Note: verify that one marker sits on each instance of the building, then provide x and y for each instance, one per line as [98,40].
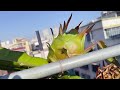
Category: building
[107,29]
[6,44]
[106,14]
[46,37]
[35,47]
[20,44]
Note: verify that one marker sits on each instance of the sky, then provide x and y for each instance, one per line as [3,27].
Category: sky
[15,24]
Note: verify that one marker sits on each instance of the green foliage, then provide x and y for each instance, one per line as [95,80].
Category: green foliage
[69,44]
[70,77]
[65,46]
[113,60]
[14,60]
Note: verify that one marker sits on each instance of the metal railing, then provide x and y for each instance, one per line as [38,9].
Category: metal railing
[67,64]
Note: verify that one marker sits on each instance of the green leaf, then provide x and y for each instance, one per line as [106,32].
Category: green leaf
[70,77]
[83,43]
[20,60]
[51,55]
[102,45]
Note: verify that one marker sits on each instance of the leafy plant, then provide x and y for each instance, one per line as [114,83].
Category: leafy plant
[113,60]
[68,44]
[14,60]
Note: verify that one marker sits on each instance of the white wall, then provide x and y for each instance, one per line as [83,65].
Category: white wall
[98,34]
[111,22]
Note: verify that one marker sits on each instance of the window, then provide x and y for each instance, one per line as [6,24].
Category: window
[118,58]
[95,68]
[85,76]
[77,73]
[37,46]
[85,67]
[113,32]
[115,36]
[88,37]
[118,13]
[88,76]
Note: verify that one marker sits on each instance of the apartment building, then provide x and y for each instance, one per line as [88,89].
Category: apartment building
[107,29]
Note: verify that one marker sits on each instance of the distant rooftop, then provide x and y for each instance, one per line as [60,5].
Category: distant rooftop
[104,16]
